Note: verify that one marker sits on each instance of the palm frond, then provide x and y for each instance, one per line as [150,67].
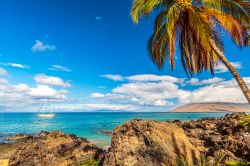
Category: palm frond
[172,25]
[247,37]
[158,42]
[142,8]
[197,33]
[192,25]
[239,9]
[235,27]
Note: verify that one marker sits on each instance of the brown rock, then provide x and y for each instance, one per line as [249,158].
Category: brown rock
[55,148]
[106,132]
[149,143]
[19,137]
[212,135]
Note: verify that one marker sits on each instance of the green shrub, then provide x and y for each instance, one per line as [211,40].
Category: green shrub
[204,160]
[218,160]
[237,163]
[246,122]
[91,163]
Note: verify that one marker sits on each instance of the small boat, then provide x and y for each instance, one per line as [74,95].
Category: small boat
[45,114]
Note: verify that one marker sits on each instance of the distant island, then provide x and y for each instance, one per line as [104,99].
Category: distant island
[213,107]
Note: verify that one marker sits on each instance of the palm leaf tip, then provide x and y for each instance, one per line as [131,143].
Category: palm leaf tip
[142,8]
[134,16]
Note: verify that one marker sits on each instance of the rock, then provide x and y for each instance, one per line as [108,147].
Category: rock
[55,148]
[106,132]
[4,162]
[211,135]
[226,130]
[7,150]
[19,136]
[137,142]
[149,143]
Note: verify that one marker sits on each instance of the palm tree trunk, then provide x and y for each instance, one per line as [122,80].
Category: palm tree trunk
[232,69]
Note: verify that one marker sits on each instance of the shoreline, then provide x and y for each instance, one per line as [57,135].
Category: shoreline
[14,137]
[99,141]
[89,125]
[200,136]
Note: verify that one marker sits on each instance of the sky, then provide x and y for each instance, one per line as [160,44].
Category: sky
[90,56]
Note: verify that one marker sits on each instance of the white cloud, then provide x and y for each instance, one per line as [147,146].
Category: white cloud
[113,77]
[15,65]
[21,87]
[136,93]
[221,68]
[144,90]
[114,107]
[3,81]
[95,107]
[142,78]
[163,92]
[51,80]
[226,91]
[44,91]
[151,77]
[3,72]
[41,47]
[60,68]
[149,93]
[23,97]
[97,95]
[197,82]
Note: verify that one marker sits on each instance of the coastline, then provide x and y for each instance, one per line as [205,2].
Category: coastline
[194,132]
[86,125]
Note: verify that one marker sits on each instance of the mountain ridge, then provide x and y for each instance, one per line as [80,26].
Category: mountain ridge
[213,107]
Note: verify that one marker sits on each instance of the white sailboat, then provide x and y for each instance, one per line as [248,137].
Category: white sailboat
[45,114]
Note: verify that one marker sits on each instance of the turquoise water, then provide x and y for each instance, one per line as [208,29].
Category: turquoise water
[83,124]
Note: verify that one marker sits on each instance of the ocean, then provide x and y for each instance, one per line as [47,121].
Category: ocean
[84,124]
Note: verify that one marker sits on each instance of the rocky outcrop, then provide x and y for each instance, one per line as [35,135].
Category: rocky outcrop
[141,142]
[19,137]
[212,135]
[149,143]
[135,143]
[53,149]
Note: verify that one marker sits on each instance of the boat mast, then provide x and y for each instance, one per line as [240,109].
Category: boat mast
[51,108]
[44,105]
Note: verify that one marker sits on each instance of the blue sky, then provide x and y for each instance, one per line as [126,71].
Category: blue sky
[88,55]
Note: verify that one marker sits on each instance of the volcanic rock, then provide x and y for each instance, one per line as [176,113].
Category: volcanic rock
[53,149]
[226,134]
[106,132]
[149,143]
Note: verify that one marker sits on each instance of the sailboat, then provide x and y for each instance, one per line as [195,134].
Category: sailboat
[45,114]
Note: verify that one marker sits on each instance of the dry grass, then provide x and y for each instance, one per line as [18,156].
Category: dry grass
[4,162]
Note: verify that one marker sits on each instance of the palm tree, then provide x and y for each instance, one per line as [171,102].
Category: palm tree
[195,25]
